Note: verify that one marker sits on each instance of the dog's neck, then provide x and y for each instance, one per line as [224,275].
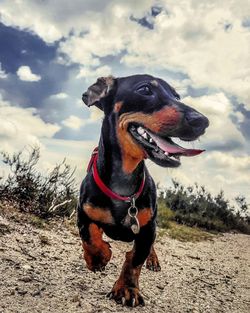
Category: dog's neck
[110,165]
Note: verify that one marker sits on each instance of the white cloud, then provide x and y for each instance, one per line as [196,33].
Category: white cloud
[95,115]
[199,47]
[219,110]
[89,73]
[77,154]
[215,170]
[24,73]
[73,122]
[188,36]
[61,95]
[51,20]
[2,72]
[22,127]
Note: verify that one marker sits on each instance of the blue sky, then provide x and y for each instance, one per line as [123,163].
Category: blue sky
[51,51]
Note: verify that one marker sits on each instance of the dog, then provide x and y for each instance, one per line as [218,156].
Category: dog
[142,116]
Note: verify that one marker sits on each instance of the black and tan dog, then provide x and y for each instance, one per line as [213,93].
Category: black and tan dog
[142,115]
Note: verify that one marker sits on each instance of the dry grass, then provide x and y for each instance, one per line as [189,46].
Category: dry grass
[185,233]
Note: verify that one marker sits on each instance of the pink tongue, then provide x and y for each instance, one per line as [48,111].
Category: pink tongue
[174,148]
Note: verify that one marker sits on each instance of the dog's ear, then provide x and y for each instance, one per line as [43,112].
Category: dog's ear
[98,91]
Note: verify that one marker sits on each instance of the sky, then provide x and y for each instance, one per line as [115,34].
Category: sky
[51,51]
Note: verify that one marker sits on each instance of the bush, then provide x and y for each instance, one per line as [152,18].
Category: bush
[195,206]
[165,215]
[30,191]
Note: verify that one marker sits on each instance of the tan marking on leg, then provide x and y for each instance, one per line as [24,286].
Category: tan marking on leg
[97,252]
[127,285]
[152,262]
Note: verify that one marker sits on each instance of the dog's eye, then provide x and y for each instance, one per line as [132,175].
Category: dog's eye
[144,90]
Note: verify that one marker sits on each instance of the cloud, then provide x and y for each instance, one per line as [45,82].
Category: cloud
[77,154]
[2,72]
[53,20]
[73,122]
[96,115]
[22,127]
[24,73]
[61,95]
[212,49]
[215,170]
[222,133]
[203,48]
[89,73]
[200,46]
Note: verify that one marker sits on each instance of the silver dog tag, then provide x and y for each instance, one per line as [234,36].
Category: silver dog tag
[135,226]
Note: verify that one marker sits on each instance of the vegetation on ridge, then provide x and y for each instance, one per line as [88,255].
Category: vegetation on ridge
[55,194]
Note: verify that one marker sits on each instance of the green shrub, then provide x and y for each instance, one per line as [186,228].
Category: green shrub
[30,191]
[165,215]
[195,206]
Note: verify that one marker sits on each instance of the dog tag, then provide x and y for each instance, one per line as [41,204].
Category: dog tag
[135,226]
[132,213]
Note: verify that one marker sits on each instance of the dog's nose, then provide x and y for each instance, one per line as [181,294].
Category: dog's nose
[197,121]
[85,97]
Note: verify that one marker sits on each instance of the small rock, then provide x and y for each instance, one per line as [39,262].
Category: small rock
[26,279]
[27,267]
[76,298]
[36,293]
[44,240]
[21,291]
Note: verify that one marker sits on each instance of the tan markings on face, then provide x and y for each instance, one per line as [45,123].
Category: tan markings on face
[132,153]
[154,83]
[166,118]
[98,214]
[118,106]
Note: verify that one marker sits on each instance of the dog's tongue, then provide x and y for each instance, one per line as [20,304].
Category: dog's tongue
[173,148]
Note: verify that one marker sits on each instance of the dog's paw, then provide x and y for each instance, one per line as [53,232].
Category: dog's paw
[97,259]
[153,264]
[128,296]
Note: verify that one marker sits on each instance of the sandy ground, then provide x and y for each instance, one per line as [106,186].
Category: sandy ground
[43,271]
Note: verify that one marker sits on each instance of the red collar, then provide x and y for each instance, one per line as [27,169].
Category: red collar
[108,192]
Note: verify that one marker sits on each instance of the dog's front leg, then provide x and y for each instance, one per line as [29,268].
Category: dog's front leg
[152,262]
[126,288]
[97,252]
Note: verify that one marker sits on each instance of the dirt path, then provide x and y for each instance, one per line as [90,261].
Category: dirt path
[43,271]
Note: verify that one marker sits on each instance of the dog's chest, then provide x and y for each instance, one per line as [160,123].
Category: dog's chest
[118,215]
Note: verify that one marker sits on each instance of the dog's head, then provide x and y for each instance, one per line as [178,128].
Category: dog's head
[149,115]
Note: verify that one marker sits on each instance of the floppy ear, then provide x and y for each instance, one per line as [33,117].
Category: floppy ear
[97,91]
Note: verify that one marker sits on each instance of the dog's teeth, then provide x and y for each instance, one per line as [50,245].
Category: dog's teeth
[150,140]
[166,153]
[140,130]
[144,135]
